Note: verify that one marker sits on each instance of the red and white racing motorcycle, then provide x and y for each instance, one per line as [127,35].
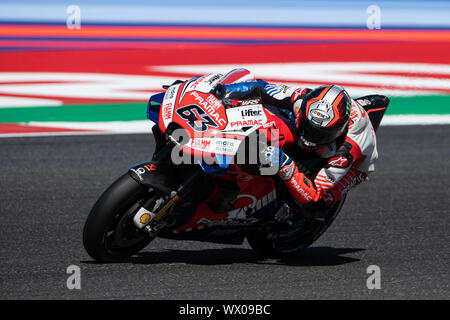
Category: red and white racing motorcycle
[198,186]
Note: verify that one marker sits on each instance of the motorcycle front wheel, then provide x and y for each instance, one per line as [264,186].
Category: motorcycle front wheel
[109,234]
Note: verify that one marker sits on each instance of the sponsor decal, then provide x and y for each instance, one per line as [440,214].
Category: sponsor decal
[168,111]
[330,179]
[211,109]
[200,144]
[141,170]
[300,190]
[297,110]
[363,102]
[214,102]
[248,102]
[321,112]
[214,78]
[251,113]
[269,124]
[196,118]
[325,177]
[205,83]
[339,162]
[246,123]
[170,93]
[138,173]
[215,145]
[245,117]
[145,218]
[150,167]
[142,218]
[168,104]
[353,115]
[236,216]
[255,205]
[297,94]
[287,171]
[356,180]
[194,84]
[225,146]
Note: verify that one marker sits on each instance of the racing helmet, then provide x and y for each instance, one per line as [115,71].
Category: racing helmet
[324,116]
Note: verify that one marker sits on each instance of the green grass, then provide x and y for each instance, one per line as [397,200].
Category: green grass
[77,113]
[419,105]
[437,104]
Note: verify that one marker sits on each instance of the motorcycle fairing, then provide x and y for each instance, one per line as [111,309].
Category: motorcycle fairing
[219,170]
[153,174]
[177,92]
[215,132]
[255,201]
[168,105]
[375,106]
[154,107]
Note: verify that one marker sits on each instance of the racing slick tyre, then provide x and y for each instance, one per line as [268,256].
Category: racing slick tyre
[109,234]
[294,239]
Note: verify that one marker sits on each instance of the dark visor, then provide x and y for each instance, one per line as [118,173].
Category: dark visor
[318,135]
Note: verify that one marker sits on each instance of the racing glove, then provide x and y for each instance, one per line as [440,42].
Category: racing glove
[274,158]
[299,185]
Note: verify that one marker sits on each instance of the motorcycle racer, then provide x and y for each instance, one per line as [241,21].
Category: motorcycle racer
[208,180]
[329,123]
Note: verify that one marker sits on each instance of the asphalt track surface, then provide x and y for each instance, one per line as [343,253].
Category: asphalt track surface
[398,221]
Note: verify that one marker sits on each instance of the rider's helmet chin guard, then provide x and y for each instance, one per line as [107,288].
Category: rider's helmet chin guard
[324,116]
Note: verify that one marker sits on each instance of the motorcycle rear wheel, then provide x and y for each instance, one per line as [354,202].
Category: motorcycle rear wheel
[296,241]
[109,234]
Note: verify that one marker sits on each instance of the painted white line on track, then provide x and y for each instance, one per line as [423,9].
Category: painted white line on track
[415,119]
[19,102]
[137,126]
[144,126]
[73,133]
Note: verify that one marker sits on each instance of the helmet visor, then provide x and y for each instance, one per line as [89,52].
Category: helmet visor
[319,136]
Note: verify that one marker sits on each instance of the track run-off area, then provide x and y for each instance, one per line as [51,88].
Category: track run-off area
[106,91]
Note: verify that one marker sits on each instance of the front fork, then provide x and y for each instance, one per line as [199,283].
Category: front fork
[150,217]
[152,222]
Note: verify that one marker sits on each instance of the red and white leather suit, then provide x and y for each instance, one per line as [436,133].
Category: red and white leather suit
[347,166]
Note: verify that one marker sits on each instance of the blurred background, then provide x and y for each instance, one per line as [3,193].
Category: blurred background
[90,66]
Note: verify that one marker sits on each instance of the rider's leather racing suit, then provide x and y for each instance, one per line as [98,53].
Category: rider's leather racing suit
[348,163]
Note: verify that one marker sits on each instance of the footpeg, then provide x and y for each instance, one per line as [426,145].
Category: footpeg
[284,215]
